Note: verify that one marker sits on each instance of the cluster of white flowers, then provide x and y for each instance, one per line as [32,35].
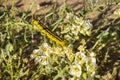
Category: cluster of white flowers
[47,54]
[84,26]
[79,25]
[83,62]
[41,54]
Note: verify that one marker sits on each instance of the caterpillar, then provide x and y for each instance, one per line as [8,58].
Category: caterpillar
[46,31]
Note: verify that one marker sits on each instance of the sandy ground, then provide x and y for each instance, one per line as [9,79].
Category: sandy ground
[24,5]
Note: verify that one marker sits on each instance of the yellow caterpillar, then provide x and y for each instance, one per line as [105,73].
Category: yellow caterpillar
[46,31]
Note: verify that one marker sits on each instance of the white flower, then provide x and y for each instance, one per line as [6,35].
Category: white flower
[58,51]
[69,52]
[35,54]
[42,54]
[75,70]
[45,49]
[78,20]
[80,58]
[91,66]
[69,15]
[93,60]
[86,28]
[43,60]
[75,29]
